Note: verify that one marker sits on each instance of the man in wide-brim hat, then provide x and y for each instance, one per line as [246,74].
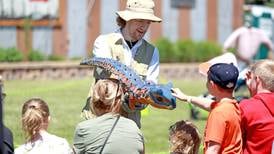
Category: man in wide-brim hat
[128,46]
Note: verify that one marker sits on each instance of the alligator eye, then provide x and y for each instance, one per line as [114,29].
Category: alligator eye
[160,99]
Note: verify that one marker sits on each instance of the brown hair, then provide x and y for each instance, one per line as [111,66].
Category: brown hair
[35,113]
[107,96]
[120,22]
[264,69]
[184,137]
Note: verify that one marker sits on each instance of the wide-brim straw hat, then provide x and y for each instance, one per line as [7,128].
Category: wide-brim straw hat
[224,58]
[139,9]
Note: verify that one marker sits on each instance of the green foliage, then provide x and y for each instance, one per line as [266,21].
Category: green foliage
[207,50]
[76,58]
[187,50]
[10,55]
[13,55]
[35,55]
[3,55]
[165,48]
[55,58]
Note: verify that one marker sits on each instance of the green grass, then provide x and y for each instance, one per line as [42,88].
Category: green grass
[67,97]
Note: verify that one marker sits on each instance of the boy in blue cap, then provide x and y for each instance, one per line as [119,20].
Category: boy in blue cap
[223,129]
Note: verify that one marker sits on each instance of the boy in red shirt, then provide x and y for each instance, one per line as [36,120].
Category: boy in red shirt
[258,111]
[223,128]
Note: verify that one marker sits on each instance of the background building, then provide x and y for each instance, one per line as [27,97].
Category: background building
[70,29]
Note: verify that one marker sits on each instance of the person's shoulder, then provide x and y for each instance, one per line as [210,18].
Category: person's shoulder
[241,29]
[85,124]
[55,139]
[58,144]
[247,102]
[101,37]
[224,106]
[105,36]
[225,103]
[19,150]
[91,124]
[148,43]
[130,124]
[127,120]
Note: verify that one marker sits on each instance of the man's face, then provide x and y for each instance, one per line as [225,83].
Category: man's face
[251,82]
[137,28]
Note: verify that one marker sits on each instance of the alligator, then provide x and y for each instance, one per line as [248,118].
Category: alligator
[139,92]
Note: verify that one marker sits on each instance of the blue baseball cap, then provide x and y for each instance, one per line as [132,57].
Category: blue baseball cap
[224,75]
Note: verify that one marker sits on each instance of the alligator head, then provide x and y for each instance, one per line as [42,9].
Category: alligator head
[162,97]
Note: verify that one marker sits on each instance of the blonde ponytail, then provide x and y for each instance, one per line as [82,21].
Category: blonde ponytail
[35,113]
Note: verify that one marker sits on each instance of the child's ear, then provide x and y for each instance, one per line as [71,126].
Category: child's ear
[212,83]
[49,118]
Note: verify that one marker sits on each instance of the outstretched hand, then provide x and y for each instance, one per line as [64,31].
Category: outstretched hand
[176,92]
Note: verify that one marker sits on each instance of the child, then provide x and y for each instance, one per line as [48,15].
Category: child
[223,129]
[184,137]
[35,121]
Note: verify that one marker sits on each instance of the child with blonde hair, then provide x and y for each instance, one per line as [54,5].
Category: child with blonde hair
[35,121]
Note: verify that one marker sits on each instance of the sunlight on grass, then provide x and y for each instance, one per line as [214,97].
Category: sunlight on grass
[67,97]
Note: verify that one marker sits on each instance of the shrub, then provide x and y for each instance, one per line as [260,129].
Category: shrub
[187,50]
[3,55]
[165,48]
[207,50]
[13,55]
[55,58]
[35,55]
[75,58]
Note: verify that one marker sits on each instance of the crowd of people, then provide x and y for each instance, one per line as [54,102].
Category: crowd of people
[112,127]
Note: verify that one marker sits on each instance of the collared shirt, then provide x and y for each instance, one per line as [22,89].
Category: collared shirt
[101,49]
[247,41]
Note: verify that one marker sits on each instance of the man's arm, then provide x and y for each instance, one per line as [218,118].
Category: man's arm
[101,47]
[213,148]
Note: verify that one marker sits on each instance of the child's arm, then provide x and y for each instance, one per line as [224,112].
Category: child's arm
[203,103]
[213,148]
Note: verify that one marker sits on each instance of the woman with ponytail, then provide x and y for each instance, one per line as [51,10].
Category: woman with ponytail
[35,121]
[109,132]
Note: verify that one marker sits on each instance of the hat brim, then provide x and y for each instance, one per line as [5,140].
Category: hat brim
[129,15]
[224,58]
[203,68]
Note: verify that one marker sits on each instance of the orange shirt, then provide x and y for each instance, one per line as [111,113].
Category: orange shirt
[223,126]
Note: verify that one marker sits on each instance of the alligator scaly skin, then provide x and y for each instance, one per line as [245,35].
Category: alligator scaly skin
[139,90]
